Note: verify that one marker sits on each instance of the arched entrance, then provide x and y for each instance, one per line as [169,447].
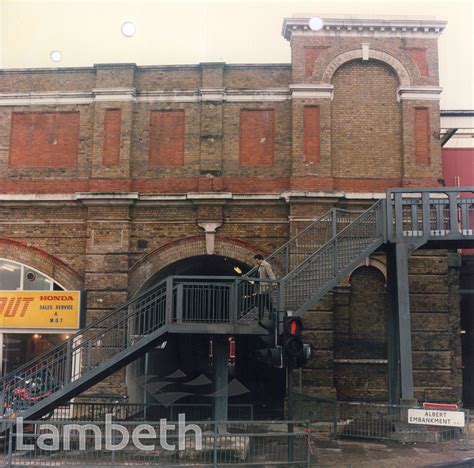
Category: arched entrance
[179,373]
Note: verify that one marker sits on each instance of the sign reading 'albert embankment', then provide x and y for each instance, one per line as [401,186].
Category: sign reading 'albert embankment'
[432,417]
[40,309]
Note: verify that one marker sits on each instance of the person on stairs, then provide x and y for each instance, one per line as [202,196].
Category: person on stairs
[264,288]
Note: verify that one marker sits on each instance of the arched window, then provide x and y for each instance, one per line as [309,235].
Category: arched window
[19,346]
[15,276]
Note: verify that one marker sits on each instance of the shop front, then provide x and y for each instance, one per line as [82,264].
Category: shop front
[36,314]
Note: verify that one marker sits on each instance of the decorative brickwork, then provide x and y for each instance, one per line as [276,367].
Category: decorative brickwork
[44,139]
[166,138]
[257,134]
[112,131]
[419,57]
[422,136]
[312,134]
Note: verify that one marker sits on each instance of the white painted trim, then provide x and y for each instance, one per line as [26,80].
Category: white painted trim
[129,95]
[312,91]
[365,50]
[400,70]
[426,28]
[134,197]
[255,95]
[169,96]
[45,98]
[212,94]
[431,93]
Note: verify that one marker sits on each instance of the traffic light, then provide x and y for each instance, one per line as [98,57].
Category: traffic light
[270,354]
[296,351]
[272,357]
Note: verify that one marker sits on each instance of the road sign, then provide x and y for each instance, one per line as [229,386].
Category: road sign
[436,417]
[440,405]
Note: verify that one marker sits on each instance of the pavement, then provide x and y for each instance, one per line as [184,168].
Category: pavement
[362,454]
[356,453]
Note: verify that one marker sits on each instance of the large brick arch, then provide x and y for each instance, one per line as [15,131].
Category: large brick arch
[390,60]
[42,261]
[185,248]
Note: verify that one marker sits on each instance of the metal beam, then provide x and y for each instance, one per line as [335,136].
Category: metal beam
[448,135]
[221,381]
[400,348]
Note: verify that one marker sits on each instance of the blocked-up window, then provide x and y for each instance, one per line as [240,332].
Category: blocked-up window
[312,134]
[44,139]
[422,136]
[166,138]
[257,137]
[111,145]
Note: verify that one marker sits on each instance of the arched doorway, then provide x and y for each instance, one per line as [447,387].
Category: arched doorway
[178,374]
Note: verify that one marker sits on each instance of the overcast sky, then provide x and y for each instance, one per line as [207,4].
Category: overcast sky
[193,31]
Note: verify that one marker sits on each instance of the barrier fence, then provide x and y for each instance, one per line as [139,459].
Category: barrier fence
[376,421]
[90,444]
[123,411]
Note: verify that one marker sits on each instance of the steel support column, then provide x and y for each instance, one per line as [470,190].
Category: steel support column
[399,326]
[221,378]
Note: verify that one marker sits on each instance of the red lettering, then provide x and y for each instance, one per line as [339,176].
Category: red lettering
[26,303]
[12,307]
[56,298]
[3,301]
[9,306]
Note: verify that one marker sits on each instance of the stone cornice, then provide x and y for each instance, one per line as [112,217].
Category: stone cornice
[130,95]
[352,27]
[430,93]
[312,91]
[129,198]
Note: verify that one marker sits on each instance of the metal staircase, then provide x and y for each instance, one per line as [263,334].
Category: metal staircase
[308,266]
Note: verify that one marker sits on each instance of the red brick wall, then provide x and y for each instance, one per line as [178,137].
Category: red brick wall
[312,136]
[310,56]
[422,136]
[257,137]
[112,131]
[44,139]
[166,138]
[419,57]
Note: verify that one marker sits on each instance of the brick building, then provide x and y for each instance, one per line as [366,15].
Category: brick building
[114,176]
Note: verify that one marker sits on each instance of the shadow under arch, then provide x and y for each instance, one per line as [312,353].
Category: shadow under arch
[183,249]
[172,369]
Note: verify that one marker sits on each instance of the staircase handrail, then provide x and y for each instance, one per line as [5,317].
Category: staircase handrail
[175,279]
[330,213]
[80,332]
[379,225]
[302,265]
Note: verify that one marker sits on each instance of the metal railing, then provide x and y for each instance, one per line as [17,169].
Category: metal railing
[201,444]
[435,213]
[306,242]
[323,269]
[124,411]
[374,421]
[308,266]
[173,300]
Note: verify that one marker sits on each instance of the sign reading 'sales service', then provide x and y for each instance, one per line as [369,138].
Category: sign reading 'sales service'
[40,309]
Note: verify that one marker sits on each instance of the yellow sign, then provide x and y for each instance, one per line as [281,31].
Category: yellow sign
[40,309]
